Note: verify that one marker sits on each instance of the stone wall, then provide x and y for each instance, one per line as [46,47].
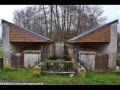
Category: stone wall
[6,46]
[112,47]
[87,59]
[31,58]
[59,49]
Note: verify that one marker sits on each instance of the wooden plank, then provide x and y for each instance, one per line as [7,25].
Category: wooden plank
[102,35]
[42,52]
[18,35]
[101,62]
[17,62]
[24,39]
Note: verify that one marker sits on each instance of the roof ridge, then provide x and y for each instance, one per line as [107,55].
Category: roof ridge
[27,30]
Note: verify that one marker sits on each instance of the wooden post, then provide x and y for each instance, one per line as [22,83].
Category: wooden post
[54,50]
[42,52]
[38,59]
[78,52]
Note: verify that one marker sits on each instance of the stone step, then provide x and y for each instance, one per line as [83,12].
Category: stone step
[58,72]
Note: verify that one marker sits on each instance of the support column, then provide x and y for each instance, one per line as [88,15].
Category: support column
[78,52]
[42,52]
[54,50]
[6,46]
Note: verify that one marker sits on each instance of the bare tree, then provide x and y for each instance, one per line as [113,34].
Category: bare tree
[46,22]
[59,22]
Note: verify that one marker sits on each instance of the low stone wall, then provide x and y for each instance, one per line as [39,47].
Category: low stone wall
[60,67]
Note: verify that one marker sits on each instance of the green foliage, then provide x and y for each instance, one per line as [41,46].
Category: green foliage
[118,61]
[118,58]
[7,67]
[59,65]
[44,66]
[36,72]
[1,52]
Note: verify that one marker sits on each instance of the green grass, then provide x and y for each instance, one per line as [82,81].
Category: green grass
[1,52]
[90,78]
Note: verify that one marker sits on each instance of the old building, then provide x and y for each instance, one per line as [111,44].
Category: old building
[23,47]
[96,48]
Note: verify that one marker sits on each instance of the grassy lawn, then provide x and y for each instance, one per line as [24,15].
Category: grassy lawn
[90,78]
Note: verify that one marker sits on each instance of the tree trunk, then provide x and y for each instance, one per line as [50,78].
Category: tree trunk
[45,21]
[51,8]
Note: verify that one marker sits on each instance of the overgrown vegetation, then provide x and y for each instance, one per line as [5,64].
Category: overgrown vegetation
[90,78]
[58,65]
[1,52]
[118,61]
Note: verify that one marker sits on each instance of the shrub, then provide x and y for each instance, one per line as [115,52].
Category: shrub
[58,65]
[7,67]
[118,61]
[36,72]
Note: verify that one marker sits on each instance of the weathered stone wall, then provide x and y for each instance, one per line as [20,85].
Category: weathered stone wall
[49,50]
[113,44]
[87,59]
[112,60]
[112,47]
[59,49]
[31,59]
[6,46]
[71,51]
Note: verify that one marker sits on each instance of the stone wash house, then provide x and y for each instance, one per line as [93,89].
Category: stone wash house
[96,48]
[23,47]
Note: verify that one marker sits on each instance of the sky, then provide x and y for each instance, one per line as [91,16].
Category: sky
[111,12]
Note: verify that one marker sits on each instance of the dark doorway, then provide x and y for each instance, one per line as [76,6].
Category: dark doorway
[17,60]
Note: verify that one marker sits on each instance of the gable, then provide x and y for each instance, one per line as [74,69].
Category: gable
[102,35]
[17,35]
